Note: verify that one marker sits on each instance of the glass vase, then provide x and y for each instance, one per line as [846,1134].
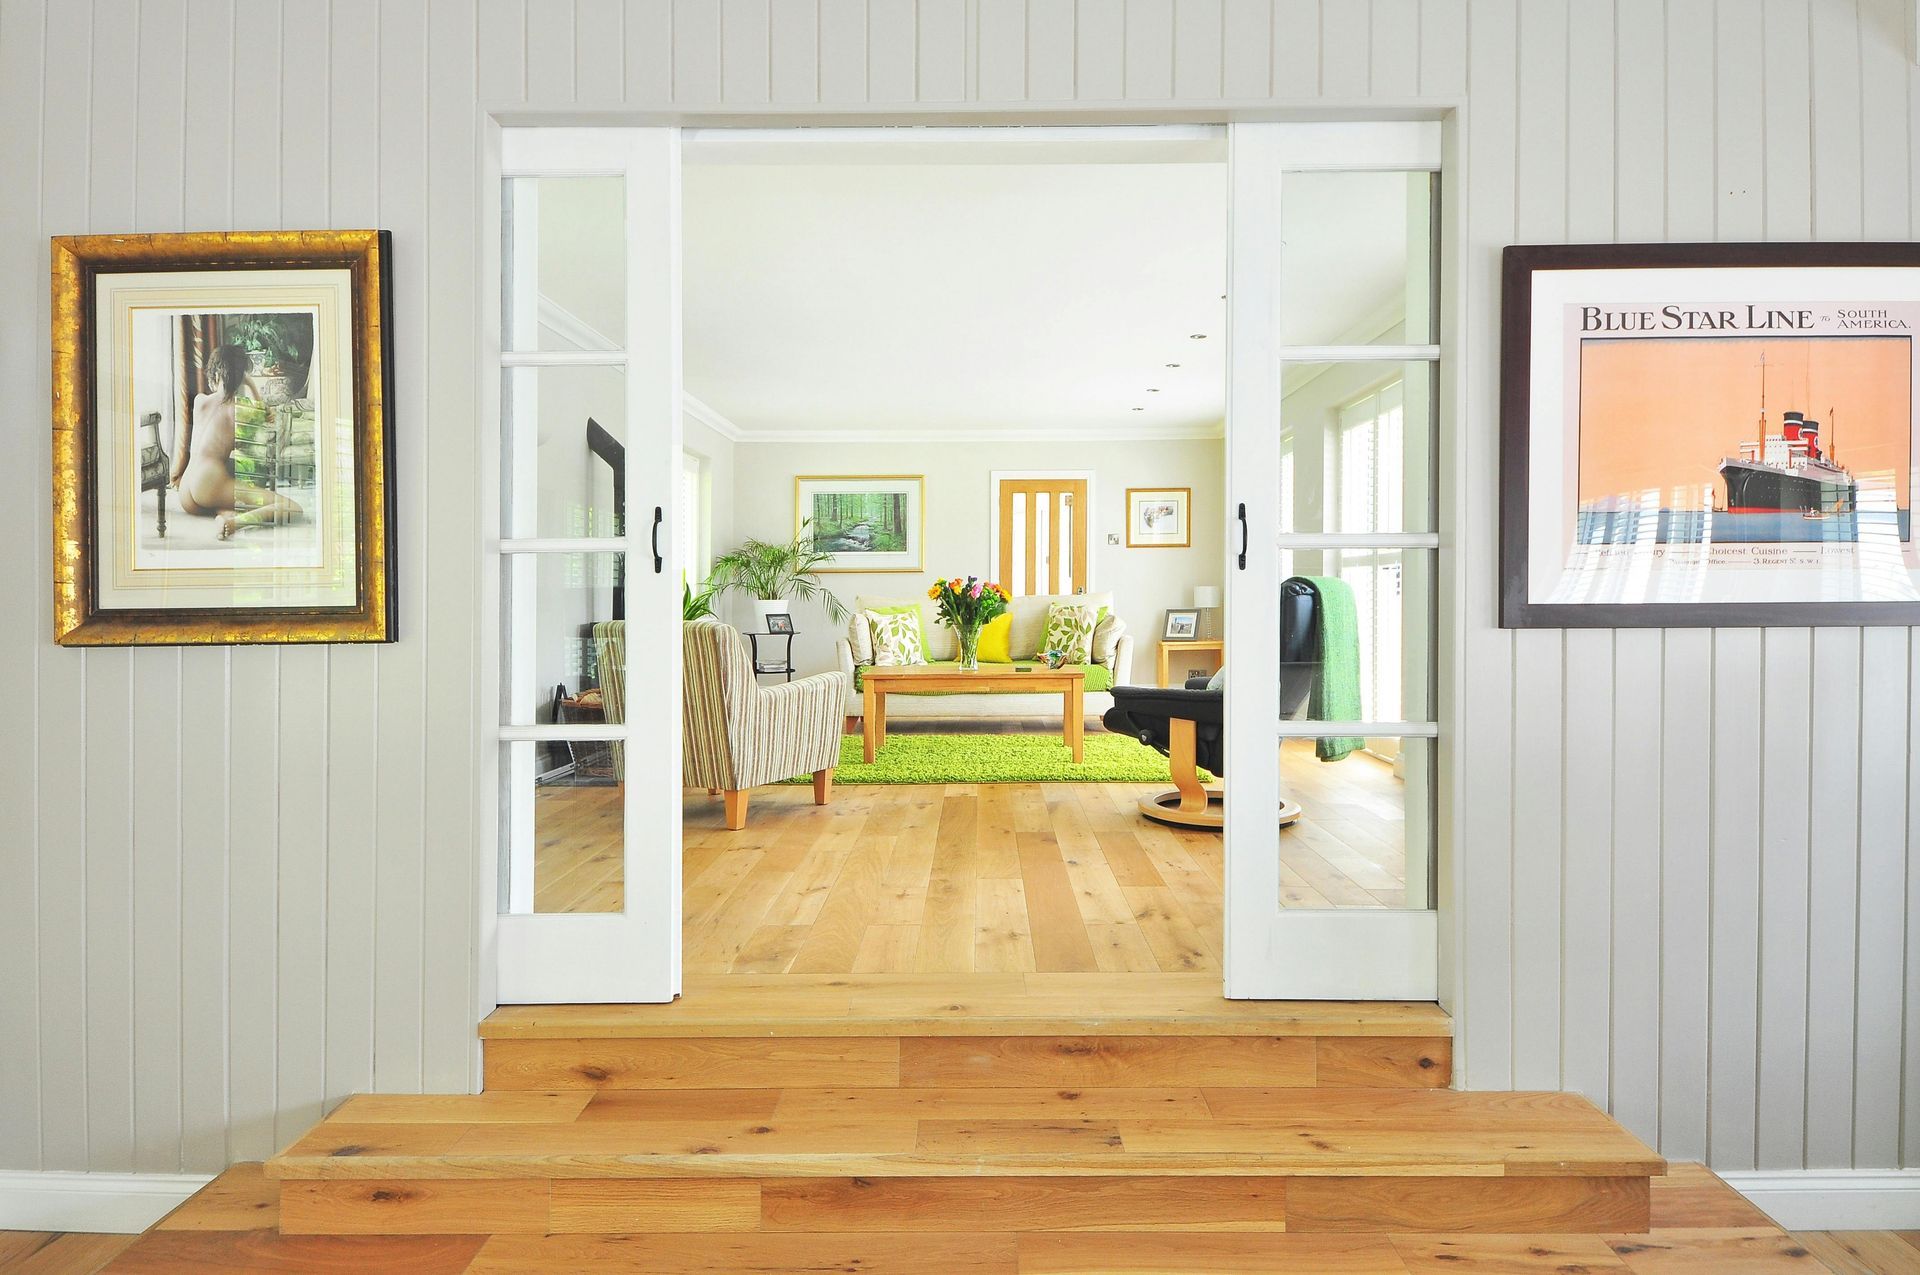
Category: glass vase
[969,635]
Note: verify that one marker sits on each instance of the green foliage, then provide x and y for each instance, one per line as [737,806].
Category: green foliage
[695,606]
[286,339]
[774,572]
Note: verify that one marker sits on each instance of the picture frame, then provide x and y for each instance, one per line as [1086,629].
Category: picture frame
[1709,435]
[779,622]
[222,440]
[1159,517]
[1182,624]
[867,523]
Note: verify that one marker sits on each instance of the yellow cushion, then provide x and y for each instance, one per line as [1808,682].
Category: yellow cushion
[996,639]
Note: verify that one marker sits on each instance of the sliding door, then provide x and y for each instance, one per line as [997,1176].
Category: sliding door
[1332,731]
[588,563]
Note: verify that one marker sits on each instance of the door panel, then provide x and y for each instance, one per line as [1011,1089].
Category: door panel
[589,823]
[1043,534]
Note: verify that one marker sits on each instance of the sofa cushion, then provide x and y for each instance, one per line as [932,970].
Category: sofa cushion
[1030,618]
[995,637]
[1099,678]
[896,638]
[1070,629]
[1106,637]
[933,640]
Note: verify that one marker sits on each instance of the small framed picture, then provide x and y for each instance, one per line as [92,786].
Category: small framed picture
[779,622]
[1182,626]
[1157,517]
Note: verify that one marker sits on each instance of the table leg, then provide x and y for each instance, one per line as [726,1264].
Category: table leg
[869,713]
[879,720]
[1076,710]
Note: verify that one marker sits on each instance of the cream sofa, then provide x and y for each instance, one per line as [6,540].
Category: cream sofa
[1112,666]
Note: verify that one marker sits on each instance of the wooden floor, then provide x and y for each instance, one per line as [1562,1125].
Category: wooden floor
[1699,1227]
[976,877]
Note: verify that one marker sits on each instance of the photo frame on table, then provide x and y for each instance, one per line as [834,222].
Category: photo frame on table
[1709,435]
[779,622]
[1182,625]
[866,522]
[1159,517]
[221,438]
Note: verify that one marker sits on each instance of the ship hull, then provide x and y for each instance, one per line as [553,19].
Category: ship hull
[1764,489]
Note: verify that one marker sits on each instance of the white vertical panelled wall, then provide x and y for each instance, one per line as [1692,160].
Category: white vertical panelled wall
[238,884]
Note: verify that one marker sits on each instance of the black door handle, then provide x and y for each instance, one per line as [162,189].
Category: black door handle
[1243,536]
[659,515]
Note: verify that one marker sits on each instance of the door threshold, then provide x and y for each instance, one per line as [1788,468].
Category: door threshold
[1014,1004]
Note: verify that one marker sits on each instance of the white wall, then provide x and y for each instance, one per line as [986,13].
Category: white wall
[237,883]
[959,539]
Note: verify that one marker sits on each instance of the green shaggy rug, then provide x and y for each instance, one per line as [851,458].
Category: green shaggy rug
[1000,759]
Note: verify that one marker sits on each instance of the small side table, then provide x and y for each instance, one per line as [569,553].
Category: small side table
[782,665]
[1216,646]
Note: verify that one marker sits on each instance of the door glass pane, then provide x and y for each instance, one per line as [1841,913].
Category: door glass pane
[1356,445]
[564,263]
[559,655]
[564,828]
[1356,823]
[1382,661]
[564,470]
[1356,259]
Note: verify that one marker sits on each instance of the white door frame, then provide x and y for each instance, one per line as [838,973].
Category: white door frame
[1333,147]
[1274,952]
[634,954]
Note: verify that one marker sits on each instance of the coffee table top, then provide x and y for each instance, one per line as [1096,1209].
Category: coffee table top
[998,678]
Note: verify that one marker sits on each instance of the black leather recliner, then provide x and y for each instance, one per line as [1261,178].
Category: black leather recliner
[1187,724]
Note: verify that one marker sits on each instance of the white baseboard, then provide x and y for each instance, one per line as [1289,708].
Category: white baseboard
[1834,1199]
[116,1203]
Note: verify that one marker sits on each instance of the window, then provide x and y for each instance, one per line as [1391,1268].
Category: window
[1368,493]
[696,521]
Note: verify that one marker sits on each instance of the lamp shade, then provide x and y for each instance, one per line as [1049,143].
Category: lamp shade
[1206,595]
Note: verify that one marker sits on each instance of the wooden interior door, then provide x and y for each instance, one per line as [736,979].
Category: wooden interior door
[1043,529]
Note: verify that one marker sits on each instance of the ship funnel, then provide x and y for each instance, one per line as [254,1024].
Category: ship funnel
[1795,417]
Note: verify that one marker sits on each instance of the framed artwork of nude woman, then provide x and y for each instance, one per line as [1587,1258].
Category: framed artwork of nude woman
[221,440]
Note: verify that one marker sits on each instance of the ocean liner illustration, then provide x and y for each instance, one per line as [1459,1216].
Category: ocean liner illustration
[1788,472]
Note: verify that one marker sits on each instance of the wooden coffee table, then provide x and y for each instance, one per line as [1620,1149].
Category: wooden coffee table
[877,683]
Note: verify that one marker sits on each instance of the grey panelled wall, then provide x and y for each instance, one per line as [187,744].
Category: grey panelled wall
[235,885]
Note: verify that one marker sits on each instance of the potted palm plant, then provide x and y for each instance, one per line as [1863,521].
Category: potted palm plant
[776,574]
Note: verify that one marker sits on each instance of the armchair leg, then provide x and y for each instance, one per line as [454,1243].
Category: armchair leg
[736,802]
[1188,804]
[822,786]
[852,724]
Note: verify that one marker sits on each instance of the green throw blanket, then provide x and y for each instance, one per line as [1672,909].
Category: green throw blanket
[1336,693]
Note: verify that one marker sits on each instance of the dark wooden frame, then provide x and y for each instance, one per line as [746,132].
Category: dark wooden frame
[1519,262]
[77,261]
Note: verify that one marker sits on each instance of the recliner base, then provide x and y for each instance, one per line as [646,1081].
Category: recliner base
[1176,808]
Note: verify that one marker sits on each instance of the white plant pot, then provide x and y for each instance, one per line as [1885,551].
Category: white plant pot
[763,608]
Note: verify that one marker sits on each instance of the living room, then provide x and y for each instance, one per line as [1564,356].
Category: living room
[999,363]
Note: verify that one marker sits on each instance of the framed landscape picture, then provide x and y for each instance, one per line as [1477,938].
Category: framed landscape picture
[1709,434]
[221,438]
[1159,517]
[867,522]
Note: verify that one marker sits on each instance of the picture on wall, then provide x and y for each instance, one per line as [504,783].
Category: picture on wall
[221,439]
[865,522]
[1159,517]
[1709,435]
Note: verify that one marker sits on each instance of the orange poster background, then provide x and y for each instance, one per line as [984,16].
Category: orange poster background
[1660,415]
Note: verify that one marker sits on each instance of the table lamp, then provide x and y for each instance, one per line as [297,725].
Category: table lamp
[1206,600]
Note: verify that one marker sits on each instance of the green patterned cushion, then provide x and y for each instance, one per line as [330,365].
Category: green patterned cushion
[896,638]
[1070,629]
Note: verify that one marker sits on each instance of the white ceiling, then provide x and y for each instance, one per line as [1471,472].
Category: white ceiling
[956,296]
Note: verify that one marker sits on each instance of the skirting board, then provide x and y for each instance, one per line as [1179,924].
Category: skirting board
[114,1203]
[1834,1199]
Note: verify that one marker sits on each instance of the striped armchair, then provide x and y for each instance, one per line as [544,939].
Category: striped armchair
[739,733]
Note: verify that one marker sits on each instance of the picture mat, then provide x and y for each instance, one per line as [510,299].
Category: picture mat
[1558,571]
[333,582]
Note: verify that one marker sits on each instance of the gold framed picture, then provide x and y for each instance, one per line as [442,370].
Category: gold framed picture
[1159,517]
[221,438]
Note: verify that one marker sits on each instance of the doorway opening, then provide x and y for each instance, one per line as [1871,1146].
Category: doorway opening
[996,363]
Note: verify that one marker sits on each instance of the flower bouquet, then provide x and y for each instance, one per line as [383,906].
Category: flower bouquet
[966,606]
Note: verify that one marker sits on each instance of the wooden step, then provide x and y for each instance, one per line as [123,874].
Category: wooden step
[892,1159]
[827,1005]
